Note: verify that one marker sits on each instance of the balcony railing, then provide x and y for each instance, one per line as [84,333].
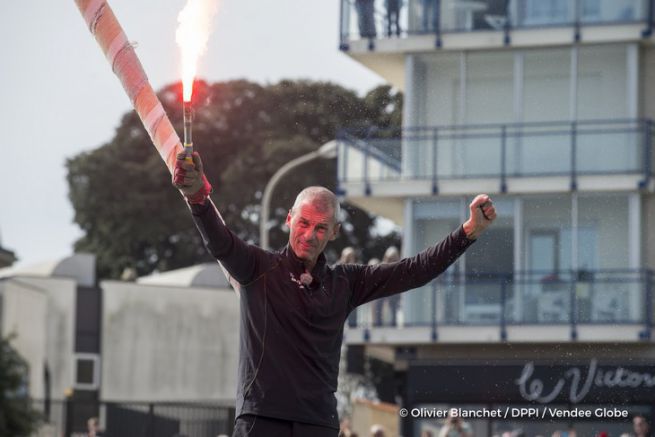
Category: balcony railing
[373,19]
[520,298]
[573,149]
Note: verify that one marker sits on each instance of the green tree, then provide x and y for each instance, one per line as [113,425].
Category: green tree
[132,217]
[17,417]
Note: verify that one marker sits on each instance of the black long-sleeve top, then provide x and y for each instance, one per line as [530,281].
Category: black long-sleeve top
[290,334]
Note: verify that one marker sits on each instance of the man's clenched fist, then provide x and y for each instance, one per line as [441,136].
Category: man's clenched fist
[190,179]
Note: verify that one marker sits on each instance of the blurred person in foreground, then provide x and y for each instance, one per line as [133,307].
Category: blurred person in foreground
[294,306]
[377,431]
[641,426]
[456,427]
[93,428]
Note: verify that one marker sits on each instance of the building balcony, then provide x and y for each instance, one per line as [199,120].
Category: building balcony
[369,35]
[367,24]
[599,155]
[529,306]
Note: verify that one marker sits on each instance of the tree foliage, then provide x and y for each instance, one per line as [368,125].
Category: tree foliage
[17,417]
[130,214]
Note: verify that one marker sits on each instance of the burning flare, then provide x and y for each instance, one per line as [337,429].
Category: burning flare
[192,35]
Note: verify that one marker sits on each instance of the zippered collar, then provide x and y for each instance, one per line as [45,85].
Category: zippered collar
[298,266]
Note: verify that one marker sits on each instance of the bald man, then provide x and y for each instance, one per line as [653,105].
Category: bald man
[294,306]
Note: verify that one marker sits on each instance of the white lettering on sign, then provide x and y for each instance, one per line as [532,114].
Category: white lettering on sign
[580,381]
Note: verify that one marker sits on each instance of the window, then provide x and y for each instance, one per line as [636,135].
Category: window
[544,12]
[87,371]
[544,245]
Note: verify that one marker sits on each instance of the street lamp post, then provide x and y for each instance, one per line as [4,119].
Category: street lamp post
[326,151]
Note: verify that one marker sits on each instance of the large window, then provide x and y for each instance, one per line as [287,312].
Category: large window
[545,221]
[438,97]
[569,247]
[438,103]
[546,85]
[548,112]
[562,12]
[524,86]
[433,221]
[545,12]
[488,84]
[602,82]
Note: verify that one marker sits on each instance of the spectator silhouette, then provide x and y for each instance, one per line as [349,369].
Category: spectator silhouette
[392,303]
[393,16]
[366,18]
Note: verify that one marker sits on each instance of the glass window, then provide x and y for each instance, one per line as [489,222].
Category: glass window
[544,292]
[422,16]
[546,85]
[544,251]
[546,221]
[546,12]
[433,221]
[602,11]
[603,240]
[602,82]
[441,95]
[438,103]
[489,87]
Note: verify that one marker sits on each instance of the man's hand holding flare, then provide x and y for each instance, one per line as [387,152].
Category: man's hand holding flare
[482,213]
[189,178]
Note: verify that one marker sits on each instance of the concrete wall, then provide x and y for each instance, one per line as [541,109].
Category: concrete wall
[168,343]
[40,311]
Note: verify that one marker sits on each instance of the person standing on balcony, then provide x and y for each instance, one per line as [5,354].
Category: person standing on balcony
[294,306]
[391,303]
[366,18]
[349,256]
[430,15]
[393,16]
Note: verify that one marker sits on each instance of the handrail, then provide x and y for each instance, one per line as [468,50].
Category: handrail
[427,18]
[411,153]
[469,126]
[564,290]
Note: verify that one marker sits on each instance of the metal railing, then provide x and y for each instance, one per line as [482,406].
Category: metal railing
[589,297]
[578,148]
[375,19]
[135,419]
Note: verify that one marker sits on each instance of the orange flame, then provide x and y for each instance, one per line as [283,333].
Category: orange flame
[192,35]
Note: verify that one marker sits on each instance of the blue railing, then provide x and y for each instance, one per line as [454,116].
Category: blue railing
[374,19]
[572,149]
[520,298]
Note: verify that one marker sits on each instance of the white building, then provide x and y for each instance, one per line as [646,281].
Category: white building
[114,349]
[547,105]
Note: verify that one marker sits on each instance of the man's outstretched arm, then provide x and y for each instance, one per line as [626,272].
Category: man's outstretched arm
[373,282]
[237,257]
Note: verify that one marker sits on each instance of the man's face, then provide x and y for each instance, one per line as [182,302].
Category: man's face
[640,426]
[310,230]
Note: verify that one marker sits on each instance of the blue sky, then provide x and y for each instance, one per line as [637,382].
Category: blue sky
[59,96]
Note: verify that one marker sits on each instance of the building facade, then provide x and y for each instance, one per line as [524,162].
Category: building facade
[548,106]
[156,354]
